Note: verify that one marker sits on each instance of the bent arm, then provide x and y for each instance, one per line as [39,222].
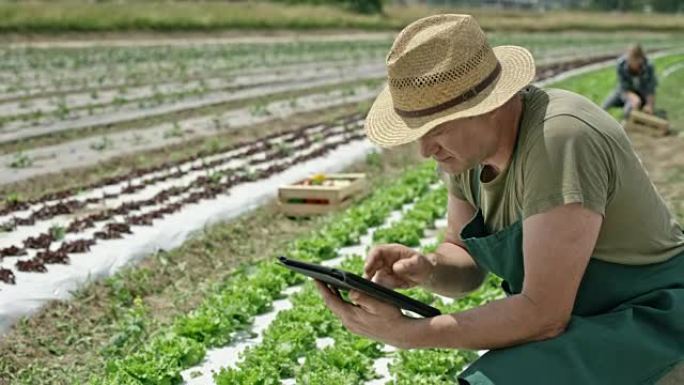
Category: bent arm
[455,272]
[557,246]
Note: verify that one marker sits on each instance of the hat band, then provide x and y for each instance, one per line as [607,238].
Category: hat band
[471,93]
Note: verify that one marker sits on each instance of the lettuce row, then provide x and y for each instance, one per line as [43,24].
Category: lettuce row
[289,345]
[232,305]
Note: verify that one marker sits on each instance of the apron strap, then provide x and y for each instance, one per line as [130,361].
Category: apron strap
[475,185]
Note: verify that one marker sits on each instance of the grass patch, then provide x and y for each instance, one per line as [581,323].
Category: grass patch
[80,16]
[597,86]
[671,94]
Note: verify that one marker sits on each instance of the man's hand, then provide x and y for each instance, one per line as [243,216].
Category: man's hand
[369,317]
[648,109]
[397,266]
[632,99]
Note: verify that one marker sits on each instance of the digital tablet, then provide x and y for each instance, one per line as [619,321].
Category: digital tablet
[345,280]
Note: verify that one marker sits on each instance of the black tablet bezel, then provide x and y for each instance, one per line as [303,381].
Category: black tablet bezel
[346,280]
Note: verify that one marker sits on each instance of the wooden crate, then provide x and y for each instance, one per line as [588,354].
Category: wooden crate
[647,123]
[301,199]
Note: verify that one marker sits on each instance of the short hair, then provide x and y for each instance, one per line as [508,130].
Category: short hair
[635,52]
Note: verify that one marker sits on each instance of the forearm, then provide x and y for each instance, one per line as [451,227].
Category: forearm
[454,273]
[650,100]
[507,322]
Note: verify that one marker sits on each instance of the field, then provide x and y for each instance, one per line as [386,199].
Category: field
[77,16]
[138,222]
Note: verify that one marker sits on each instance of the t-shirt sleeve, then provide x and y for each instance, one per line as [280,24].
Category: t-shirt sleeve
[568,163]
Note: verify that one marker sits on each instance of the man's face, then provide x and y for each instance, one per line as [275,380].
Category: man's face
[635,65]
[458,145]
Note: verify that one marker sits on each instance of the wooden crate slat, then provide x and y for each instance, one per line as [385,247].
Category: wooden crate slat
[295,209]
[641,121]
[337,196]
[303,194]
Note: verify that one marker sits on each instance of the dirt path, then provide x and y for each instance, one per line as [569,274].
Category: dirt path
[664,160]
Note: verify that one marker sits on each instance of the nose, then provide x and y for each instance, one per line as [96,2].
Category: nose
[427,147]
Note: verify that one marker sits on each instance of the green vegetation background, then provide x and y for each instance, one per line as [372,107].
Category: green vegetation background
[157,15]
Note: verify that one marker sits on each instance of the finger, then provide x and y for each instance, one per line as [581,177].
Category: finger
[358,296]
[413,270]
[407,267]
[332,301]
[354,295]
[374,262]
[387,279]
[322,288]
[336,291]
[383,256]
[369,304]
[362,300]
[327,290]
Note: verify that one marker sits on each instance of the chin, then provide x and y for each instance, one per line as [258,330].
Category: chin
[451,168]
[454,167]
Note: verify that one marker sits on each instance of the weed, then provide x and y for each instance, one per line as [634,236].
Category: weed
[57,232]
[284,149]
[132,326]
[119,100]
[259,109]
[125,286]
[216,122]
[158,97]
[21,160]
[349,92]
[174,132]
[102,144]
[317,137]
[293,103]
[374,159]
[13,199]
[63,110]
[24,104]
[137,139]
[215,177]
[213,146]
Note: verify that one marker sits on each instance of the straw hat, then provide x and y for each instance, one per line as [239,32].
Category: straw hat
[441,68]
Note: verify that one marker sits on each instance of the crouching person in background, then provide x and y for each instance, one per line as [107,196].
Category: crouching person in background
[636,83]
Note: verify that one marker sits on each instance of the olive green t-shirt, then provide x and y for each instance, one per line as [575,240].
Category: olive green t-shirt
[569,150]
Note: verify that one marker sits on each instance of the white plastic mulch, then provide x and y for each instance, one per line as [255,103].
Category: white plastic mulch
[32,290]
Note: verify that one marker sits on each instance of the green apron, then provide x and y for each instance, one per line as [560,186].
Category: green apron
[627,325]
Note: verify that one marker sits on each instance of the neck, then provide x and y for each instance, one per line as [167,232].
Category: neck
[507,124]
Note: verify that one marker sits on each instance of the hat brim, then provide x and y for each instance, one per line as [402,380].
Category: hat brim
[386,128]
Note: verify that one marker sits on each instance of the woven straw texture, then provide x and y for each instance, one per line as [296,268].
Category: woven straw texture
[433,61]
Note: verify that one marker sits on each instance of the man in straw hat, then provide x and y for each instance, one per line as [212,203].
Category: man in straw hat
[636,83]
[545,192]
